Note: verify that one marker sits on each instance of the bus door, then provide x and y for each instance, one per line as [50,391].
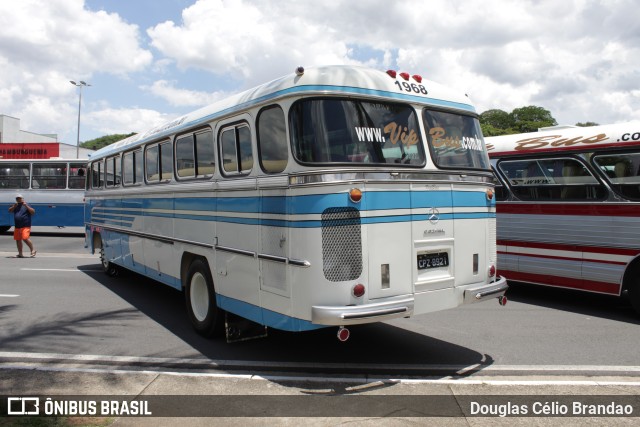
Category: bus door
[433,236]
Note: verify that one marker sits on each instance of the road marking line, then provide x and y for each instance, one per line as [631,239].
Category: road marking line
[8,296]
[55,255]
[60,269]
[330,379]
[218,364]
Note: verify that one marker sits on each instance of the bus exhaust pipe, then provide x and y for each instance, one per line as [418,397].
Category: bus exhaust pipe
[343,334]
[502,300]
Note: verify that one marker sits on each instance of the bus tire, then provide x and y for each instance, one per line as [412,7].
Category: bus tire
[634,296]
[108,267]
[200,296]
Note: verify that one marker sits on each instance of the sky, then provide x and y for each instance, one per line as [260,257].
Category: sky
[150,61]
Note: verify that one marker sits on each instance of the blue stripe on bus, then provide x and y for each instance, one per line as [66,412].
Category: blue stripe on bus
[306,204]
[302,223]
[263,316]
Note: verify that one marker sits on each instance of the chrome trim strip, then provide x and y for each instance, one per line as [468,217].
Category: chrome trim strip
[300,263]
[273,258]
[140,234]
[171,241]
[332,177]
[284,260]
[366,313]
[480,293]
[235,251]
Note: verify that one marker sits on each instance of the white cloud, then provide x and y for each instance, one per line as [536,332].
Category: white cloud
[44,44]
[580,59]
[182,97]
[125,120]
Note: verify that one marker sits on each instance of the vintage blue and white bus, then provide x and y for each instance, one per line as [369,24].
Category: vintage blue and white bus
[54,188]
[569,208]
[333,196]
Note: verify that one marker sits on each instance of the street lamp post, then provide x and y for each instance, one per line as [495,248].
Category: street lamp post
[80,84]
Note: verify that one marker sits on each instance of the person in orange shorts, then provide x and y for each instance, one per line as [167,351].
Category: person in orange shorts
[22,221]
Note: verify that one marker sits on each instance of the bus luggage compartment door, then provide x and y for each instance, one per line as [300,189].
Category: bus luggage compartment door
[388,240]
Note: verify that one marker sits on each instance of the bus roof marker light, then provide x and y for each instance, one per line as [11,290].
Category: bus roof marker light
[355,195]
[299,70]
[405,76]
[392,73]
[417,78]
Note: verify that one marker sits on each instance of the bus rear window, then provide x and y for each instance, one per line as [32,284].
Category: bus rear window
[355,132]
[455,140]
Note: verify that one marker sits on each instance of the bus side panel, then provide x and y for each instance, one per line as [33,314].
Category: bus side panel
[236,275]
[161,263]
[326,232]
[132,245]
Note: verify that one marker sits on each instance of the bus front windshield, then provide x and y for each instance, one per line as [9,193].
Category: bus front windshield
[455,140]
[356,132]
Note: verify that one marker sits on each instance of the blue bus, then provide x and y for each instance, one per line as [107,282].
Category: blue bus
[54,188]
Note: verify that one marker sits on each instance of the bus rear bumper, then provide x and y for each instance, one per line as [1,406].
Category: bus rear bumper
[357,314]
[484,292]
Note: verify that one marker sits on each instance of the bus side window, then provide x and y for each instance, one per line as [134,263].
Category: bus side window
[185,157]
[128,172]
[96,175]
[551,179]
[205,154]
[76,175]
[619,169]
[49,176]
[166,161]
[151,163]
[272,140]
[237,154]
[14,175]
[113,171]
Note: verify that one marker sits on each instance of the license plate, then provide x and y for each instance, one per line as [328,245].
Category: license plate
[434,260]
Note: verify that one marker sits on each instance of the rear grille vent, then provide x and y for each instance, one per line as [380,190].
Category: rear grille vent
[341,244]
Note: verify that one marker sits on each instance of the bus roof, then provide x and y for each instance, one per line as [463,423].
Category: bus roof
[565,139]
[337,79]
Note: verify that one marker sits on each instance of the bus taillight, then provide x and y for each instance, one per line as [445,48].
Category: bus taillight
[492,271]
[355,195]
[358,290]
[489,194]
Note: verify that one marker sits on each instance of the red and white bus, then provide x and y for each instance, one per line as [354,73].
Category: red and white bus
[568,208]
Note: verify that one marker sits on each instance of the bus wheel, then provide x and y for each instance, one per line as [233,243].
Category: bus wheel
[110,268]
[200,295]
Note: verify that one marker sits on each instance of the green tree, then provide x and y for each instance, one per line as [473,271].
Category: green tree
[496,122]
[497,118]
[587,124]
[103,141]
[531,118]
